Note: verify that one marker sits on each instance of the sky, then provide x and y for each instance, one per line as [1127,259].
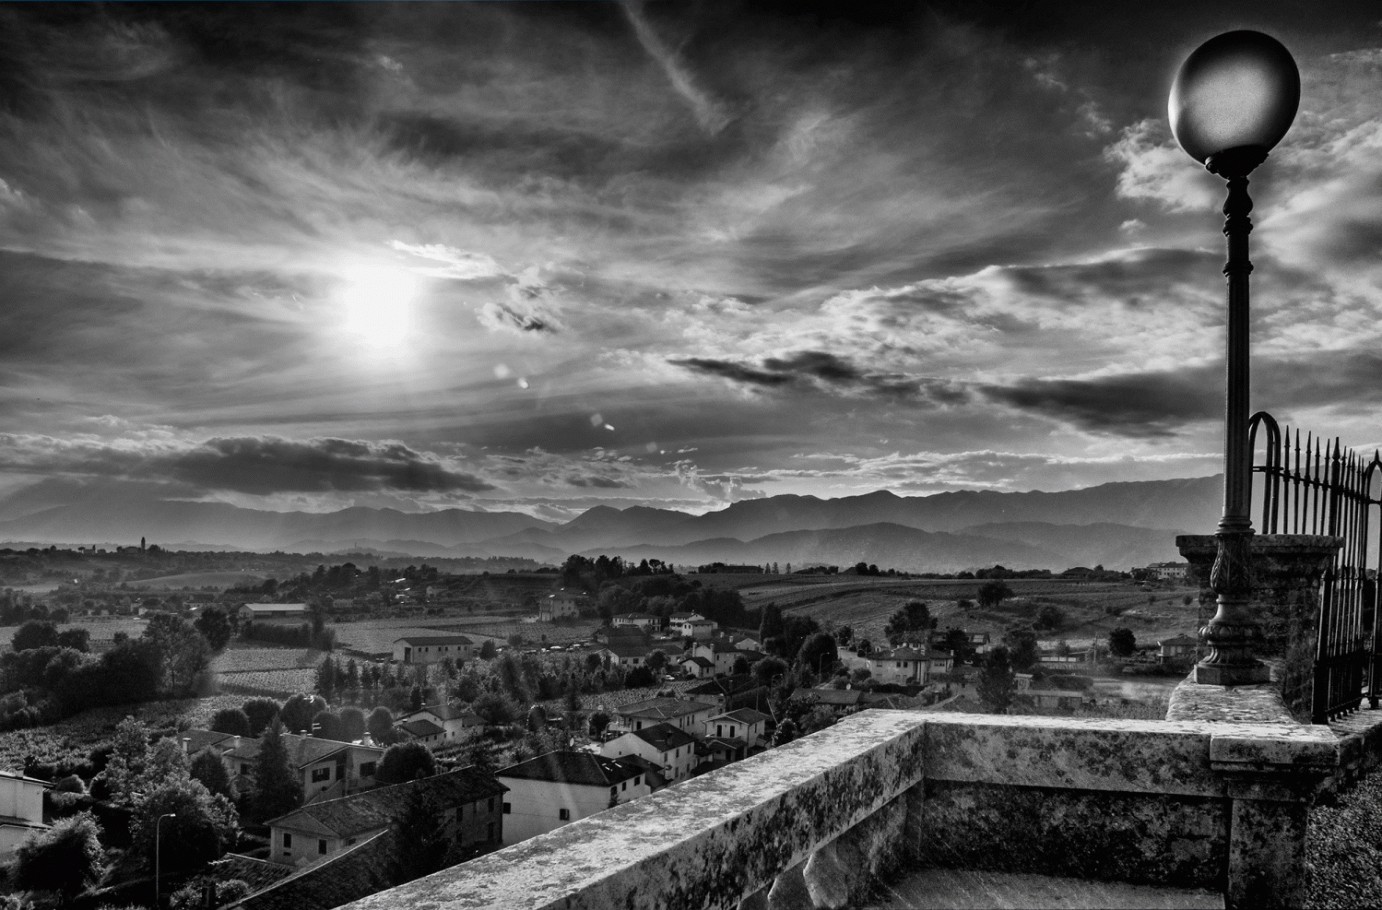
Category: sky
[541,256]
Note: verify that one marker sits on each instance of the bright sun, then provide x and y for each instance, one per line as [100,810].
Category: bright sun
[376,303]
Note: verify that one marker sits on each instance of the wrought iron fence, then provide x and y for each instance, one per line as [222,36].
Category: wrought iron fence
[1316,486]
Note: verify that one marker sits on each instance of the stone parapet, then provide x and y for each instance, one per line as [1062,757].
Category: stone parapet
[1188,803]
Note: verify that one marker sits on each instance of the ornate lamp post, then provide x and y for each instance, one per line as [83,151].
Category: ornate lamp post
[1232,101]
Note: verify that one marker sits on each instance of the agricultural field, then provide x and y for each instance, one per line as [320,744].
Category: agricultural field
[77,735]
[196,581]
[1092,609]
[102,629]
[279,684]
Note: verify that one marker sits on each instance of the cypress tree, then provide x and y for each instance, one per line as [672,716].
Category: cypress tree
[276,788]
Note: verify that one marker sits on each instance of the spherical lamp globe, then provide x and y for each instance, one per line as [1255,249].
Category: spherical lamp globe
[1238,90]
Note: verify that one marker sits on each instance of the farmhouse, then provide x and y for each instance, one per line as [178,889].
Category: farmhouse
[453,720]
[640,620]
[684,715]
[327,768]
[431,649]
[909,664]
[557,606]
[467,803]
[257,612]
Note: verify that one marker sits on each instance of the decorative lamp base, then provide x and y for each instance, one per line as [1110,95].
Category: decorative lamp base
[1254,674]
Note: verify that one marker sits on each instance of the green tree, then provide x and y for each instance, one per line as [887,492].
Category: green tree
[299,710]
[1122,642]
[488,651]
[1050,616]
[911,623]
[380,725]
[209,770]
[352,724]
[997,681]
[261,712]
[420,843]
[598,723]
[76,639]
[203,827]
[1022,647]
[277,788]
[327,725]
[214,626]
[656,660]
[232,721]
[786,732]
[326,682]
[129,757]
[768,670]
[183,652]
[993,593]
[404,762]
[36,633]
[818,654]
[67,858]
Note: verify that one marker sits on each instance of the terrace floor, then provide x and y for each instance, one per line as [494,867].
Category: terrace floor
[965,889]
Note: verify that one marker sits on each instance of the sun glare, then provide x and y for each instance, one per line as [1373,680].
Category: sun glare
[376,304]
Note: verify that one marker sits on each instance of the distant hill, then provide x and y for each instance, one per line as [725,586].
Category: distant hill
[1117,525]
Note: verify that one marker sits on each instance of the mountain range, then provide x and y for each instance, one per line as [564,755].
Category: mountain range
[1118,525]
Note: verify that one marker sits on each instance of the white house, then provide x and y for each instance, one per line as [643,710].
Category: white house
[745,723]
[453,720]
[21,808]
[688,716]
[721,657]
[697,667]
[909,664]
[560,605]
[564,786]
[624,655]
[1179,647]
[670,748]
[696,626]
[638,620]
[430,649]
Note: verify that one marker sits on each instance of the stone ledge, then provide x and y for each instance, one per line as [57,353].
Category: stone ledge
[707,842]
[1174,758]
[1261,704]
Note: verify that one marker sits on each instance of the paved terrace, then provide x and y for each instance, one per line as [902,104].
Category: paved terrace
[900,808]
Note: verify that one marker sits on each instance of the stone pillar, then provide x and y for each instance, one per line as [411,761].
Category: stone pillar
[1271,782]
[1288,570]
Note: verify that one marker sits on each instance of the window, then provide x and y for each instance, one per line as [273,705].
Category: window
[321,846]
[287,841]
[613,792]
[638,780]
[460,811]
[564,814]
[320,774]
[626,786]
[508,808]
[367,769]
[489,831]
[719,730]
[244,768]
[491,805]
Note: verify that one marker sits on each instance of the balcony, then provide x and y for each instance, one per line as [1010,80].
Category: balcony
[895,808]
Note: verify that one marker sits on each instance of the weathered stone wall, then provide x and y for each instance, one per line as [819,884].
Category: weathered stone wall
[1187,803]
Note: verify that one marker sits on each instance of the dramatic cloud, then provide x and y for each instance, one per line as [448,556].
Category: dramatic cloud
[525,255]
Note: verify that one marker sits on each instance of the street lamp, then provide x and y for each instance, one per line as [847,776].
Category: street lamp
[158,865]
[1234,99]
